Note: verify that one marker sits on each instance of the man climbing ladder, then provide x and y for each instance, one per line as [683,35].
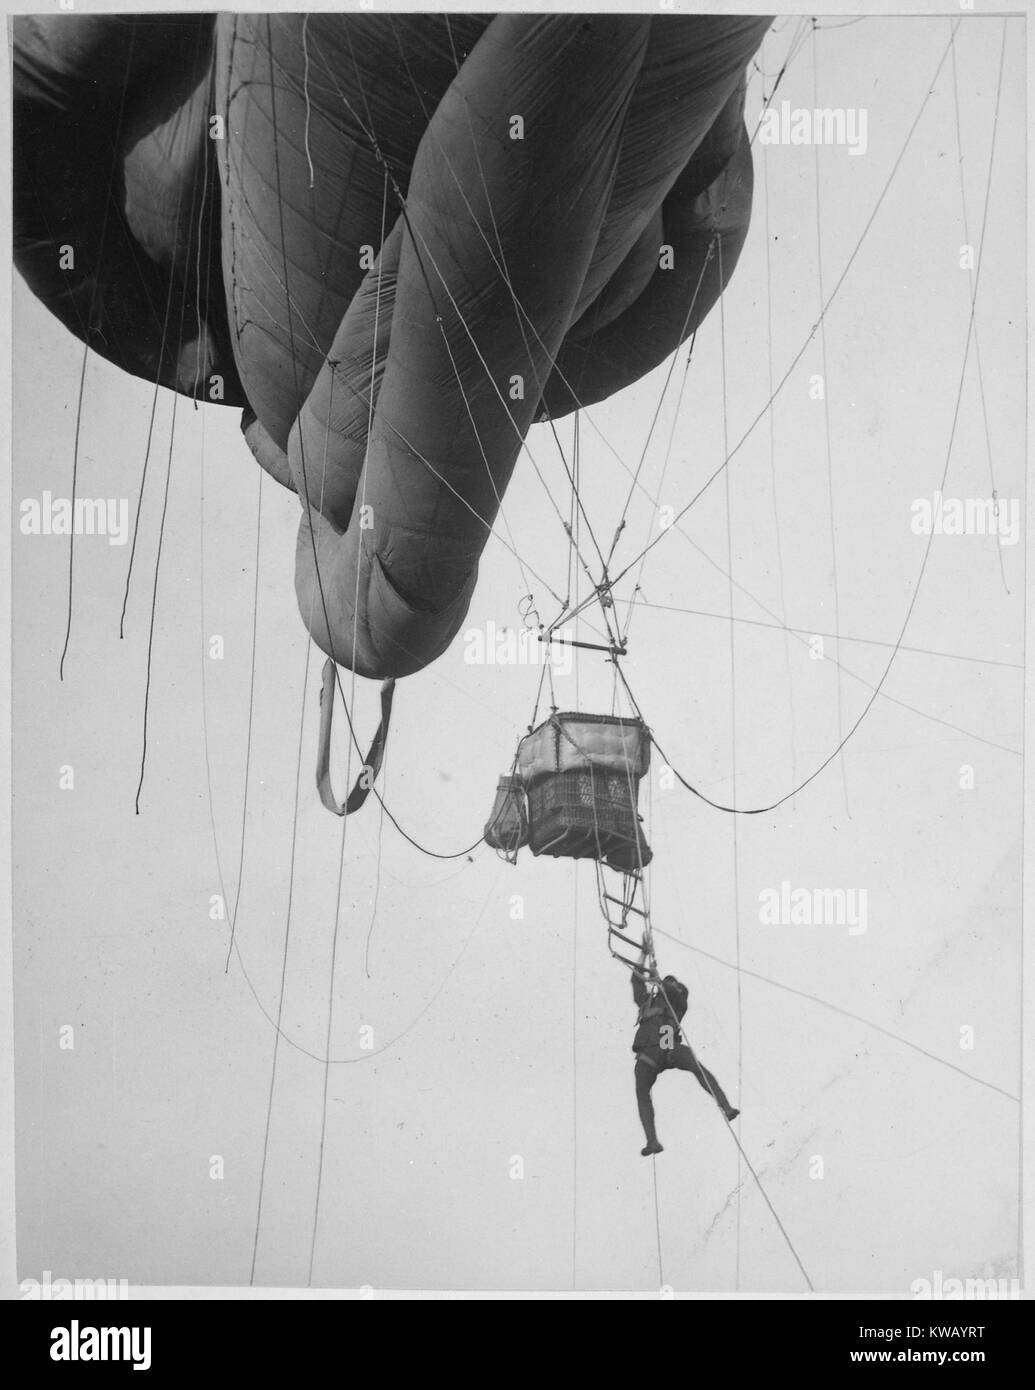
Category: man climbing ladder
[659,1045]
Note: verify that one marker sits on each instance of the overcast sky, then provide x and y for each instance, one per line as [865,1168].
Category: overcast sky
[495,1037]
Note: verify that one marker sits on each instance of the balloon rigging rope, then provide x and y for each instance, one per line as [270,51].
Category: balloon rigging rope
[977,342]
[635,478]
[657,1216]
[370,426]
[777,626]
[255,602]
[664,473]
[838,1009]
[308,103]
[774,491]
[147,457]
[742,1152]
[301,721]
[891,699]
[278,1029]
[348,771]
[733,734]
[826,426]
[251,709]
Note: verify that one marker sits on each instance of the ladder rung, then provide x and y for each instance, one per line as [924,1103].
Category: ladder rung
[628,940]
[626,907]
[632,964]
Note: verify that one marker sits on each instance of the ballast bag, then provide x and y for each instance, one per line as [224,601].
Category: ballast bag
[507,826]
[581,773]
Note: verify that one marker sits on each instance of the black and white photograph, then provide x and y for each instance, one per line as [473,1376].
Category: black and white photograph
[517,626]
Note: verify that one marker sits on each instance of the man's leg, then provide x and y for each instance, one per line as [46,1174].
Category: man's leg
[683,1058]
[646,1074]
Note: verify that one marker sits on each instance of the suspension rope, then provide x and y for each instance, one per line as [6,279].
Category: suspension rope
[251,711]
[278,1031]
[733,731]
[348,766]
[788,628]
[664,470]
[826,417]
[772,460]
[838,1009]
[977,341]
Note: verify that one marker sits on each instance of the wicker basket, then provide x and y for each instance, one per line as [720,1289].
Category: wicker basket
[587,814]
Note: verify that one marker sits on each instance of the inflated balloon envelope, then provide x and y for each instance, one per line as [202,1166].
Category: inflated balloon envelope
[581,774]
[364,229]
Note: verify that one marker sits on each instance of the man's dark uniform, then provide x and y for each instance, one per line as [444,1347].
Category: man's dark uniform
[659,1045]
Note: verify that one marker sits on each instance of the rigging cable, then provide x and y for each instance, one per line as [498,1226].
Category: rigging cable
[352,697]
[838,1009]
[733,731]
[772,463]
[826,419]
[977,341]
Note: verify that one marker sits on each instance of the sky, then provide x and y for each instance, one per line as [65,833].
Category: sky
[489,1139]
